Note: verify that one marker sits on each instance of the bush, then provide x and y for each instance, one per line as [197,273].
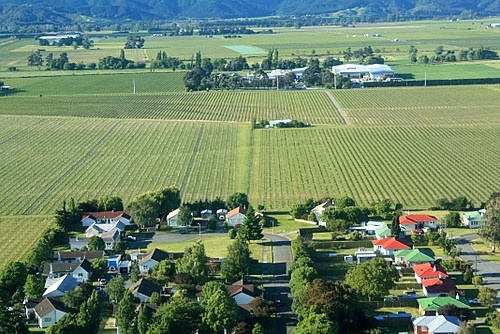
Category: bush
[232,233]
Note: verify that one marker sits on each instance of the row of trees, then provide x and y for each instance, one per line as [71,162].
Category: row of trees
[442,55]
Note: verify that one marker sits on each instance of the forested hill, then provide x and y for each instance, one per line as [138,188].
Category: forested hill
[66,11]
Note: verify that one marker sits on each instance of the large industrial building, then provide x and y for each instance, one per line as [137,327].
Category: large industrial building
[375,72]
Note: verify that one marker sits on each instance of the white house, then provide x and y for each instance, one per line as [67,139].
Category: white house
[79,270]
[76,256]
[60,285]
[319,209]
[106,217]
[49,311]
[144,288]
[110,239]
[242,292]
[97,229]
[172,217]
[236,216]
[387,246]
[441,324]
[151,259]
[474,219]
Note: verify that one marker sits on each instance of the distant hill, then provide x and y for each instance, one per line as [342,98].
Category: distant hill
[67,11]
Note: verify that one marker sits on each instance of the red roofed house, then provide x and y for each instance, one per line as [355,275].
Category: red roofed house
[437,287]
[236,216]
[414,222]
[106,217]
[388,246]
[427,271]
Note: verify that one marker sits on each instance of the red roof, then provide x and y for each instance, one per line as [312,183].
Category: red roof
[106,215]
[391,243]
[235,211]
[437,285]
[414,219]
[427,270]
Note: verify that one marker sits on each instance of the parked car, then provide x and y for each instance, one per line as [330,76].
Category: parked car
[103,281]
[390,299]
[473,301]
[131,238]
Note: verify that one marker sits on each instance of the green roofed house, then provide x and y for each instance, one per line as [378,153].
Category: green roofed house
[474,219]
[382,232]
[410,257]
[430,306]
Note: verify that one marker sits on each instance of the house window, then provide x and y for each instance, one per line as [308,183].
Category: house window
[47,319]
[80,274]
[108,244]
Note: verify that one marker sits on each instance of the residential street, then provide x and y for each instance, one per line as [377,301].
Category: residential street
[490,271]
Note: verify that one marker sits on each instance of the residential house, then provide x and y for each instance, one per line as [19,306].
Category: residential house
[474,219]
[110,239]
[441,324]
[97,229]
[115,264]
[151,259]
[242,292]
[388,246]
[57,287]
[382,232]
[106,217]
[75,256]
[205,214]
[49,311]
[172,218]
[319,209]
[236,216]
[79,270]
[410,222]
[429,271]
[143,289]
[136,255]
[221,214]
[430,306]
[78,243]
[410,257]
[435,287]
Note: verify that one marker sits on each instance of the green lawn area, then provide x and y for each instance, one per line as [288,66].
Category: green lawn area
[485,250]
[284,223]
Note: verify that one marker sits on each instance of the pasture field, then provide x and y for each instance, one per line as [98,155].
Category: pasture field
[19,235]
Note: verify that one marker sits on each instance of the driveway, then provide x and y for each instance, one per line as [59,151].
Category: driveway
[490,271]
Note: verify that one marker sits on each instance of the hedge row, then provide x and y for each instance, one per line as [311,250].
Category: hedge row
[449,82]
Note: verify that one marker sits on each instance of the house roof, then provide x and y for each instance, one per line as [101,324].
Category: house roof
[428,270]
[416,255]
[235,211]
[391,243]
[414,219]
[90,255]
[439,324]
[145,287]
[241,286]
[48,305]
[322,206]
[437,285]
[156,255]
[66,267]
[106,215]
[475,215]
[173,213]
[61,285]
[111,235]
[383,231]
[434,303]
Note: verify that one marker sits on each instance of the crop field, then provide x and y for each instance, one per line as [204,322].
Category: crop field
[22,234]
[308,106]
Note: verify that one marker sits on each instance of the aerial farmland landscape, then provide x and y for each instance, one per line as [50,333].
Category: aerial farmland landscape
[180,135]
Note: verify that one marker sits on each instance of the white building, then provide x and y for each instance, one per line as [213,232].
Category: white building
[375,72]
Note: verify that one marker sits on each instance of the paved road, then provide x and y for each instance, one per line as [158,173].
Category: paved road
[490,271]
[279,286]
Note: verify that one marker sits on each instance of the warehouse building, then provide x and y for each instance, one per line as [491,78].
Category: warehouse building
[375,72]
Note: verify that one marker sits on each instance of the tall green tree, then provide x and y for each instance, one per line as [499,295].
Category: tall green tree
[35,59]
[12,321]
[89,314]
[237,260]
[33,288]
[143,320]
[184,218]
[237,199]
[96,243]
[181,315]
[12,277]
[372,279]
[491,228]
[220,310]
[193,262]
[395,227]
[317,324]
[125,315]
[145,211]
[251,228]
[75,298]
[110,203]
[487,296]
[115,288]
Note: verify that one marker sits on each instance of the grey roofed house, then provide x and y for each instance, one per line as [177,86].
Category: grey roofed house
[76,256]
[144,288]
[148,262]
[60,286]
[80,270]
[441,324]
